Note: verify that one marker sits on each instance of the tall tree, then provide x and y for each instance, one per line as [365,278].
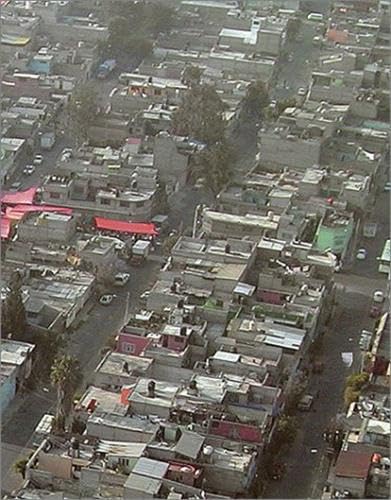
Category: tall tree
[200,115]
[20,467]
[255,101]
[281,106]
[293,28]
[192,75]
[214,165]
[65,376]
[82,111]
[132,27]
[13,313]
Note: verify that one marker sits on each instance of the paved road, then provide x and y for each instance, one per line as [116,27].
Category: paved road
[86,344]
[296,73]
[306,471]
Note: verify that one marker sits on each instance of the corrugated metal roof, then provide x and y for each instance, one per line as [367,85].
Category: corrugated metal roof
[150,468]
[353,464]
[189,444]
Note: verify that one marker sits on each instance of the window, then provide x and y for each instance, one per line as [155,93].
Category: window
[125,204]
[105,201]
[128,348]
[55,195]
[123,461]
[139,203]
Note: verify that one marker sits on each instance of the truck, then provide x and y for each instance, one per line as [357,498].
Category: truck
[369,229]
[106,68]
[140,251]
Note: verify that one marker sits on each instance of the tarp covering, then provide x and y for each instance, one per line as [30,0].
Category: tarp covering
[19,197]
[5,227]
[18,211]
[125,227]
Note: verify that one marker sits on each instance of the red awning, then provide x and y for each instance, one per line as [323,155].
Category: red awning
[19,197]
[5,228]
[125,227]
[17,212]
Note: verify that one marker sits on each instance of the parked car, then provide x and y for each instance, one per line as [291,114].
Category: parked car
[15,186]
[106,299]
[365,340]
[387,186]
[361,254]
[378,297]
[121,279]
[28,170]
[302,91]
[144,297]
[305,402]
[67,151]
[38,160]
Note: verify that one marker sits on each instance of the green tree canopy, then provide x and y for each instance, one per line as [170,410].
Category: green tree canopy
[214,166]
[283,104]
[132,27]
[192,75]
[65,375]
[20,467]
[255,101]
[13,313]
[82,110]
[293,28]
[200,115]
[285,431]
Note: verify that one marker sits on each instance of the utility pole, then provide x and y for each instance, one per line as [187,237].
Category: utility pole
[126,313]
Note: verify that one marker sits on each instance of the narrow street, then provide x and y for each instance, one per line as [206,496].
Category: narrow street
[86,343]
[306,462]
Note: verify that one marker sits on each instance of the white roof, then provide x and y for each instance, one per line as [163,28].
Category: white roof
[244,289]
[226,356]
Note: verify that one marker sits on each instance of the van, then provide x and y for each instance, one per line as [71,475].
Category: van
[316,17]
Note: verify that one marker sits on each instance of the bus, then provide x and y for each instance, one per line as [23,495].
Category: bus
[384,259]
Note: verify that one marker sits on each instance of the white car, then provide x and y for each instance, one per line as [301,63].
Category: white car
[144,296]
[38,160]
[106,299]
[361,254]
[121,279]
[378,297]
[28,170]
[15,186]
[387,187]
[66,154]
[302,91]
[66,151]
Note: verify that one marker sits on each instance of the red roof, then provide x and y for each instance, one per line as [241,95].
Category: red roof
[133,140]
[18,211]
[5,228]
[19,197]
[353,464]
[125,393]
[125,227]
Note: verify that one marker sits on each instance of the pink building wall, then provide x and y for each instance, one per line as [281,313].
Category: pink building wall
[132,344]
[239,432]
